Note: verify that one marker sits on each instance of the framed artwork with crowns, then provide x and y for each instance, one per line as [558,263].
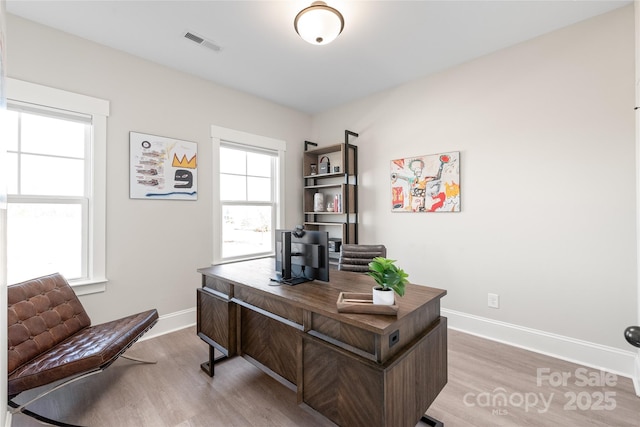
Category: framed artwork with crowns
[162,168]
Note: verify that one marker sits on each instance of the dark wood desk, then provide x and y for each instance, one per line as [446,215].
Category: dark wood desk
[355,369]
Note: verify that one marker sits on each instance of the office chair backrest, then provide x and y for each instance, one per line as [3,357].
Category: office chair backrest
[357,257]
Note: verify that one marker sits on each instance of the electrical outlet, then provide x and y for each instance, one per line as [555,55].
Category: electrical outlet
[493,300]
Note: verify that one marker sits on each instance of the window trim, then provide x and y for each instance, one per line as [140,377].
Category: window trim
[23,92]
[232,136]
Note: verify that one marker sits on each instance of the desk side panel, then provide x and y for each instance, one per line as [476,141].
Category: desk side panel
[409,328]
[413,383]
[216,322]
[352,391]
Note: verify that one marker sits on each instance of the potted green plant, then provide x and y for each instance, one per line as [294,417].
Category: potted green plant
[389,277]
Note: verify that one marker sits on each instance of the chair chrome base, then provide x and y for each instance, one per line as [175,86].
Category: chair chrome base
[21,408]
[135,359]
[38,417]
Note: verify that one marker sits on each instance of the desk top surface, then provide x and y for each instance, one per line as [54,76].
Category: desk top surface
[321,297]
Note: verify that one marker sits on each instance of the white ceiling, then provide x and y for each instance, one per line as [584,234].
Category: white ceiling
[384,43]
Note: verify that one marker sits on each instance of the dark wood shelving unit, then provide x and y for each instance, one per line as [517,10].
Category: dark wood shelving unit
[342,225]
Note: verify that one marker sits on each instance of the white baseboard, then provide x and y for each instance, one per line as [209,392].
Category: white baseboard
[172,322]
[7,421]
[610,359]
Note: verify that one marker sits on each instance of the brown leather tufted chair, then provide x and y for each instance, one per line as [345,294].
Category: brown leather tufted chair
[51,338]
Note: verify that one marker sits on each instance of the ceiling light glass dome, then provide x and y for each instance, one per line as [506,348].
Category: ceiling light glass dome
[319,24]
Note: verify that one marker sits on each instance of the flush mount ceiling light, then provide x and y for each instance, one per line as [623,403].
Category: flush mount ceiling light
[319,24]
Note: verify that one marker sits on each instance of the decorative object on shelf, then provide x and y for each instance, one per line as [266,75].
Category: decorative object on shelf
[325,166]
[318,24]
[336,169]
[426,183]
[314,169]
[330,207]
[318,202]
[162,168]
[389,277]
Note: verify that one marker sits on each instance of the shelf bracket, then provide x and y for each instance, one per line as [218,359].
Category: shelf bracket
[307,144]
[346,136]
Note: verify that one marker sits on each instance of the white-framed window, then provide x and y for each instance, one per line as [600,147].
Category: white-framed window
[248,196]
[56,176]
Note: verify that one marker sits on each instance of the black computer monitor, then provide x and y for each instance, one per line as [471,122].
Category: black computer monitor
[301,256]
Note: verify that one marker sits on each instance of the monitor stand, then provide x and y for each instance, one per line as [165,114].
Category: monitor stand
[295,281]
[292,281]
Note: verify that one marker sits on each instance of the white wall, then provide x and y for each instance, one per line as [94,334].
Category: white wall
[153,247]
[548,221]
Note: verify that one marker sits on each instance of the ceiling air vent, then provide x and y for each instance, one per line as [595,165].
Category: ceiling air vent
[202,41]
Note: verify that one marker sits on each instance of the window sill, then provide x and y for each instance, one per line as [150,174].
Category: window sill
[89,286]
[242,258]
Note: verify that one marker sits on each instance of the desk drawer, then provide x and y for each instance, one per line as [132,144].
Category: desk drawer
[270,304]
[344,335]
[376,347]
[218,285]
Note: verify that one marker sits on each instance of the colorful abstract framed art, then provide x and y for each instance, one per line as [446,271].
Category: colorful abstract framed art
[428,183]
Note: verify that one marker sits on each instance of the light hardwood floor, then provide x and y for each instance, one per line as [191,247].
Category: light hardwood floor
[490,384]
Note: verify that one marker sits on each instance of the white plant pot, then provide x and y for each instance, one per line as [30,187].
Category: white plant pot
[383,297]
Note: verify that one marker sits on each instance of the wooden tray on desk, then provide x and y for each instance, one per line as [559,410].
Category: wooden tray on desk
[352,302]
